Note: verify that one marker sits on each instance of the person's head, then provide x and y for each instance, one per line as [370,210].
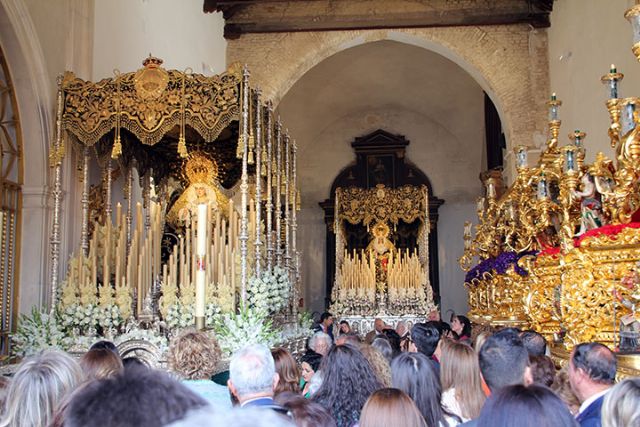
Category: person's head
[391,407]
[504,360]
[326,319]
[562,388]
[480,339]
[142,398]
[378,362]
[394,339]
[38,387]
[305,412]
[309,365]
[252,373]
[133,363]
[194,355]
[383,346]
[348,382]
[106,345]
[592,368]
[415,374]
[100,363]
[287,370]
[520,406]
[348,339]
[378,325]
[426,336]
[534,342]
[461,325]
[320,343]
[401,328]
[543,370]
[459,369]
[344,327]
[621,407]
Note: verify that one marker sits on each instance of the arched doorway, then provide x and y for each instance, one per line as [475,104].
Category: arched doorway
[11,180]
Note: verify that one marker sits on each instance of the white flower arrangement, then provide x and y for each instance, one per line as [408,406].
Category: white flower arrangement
[38,332]
[181,316]
[250,326]
[80,318]
[270,292]
[110,318]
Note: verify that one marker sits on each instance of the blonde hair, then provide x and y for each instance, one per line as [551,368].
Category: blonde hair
[390,407]
[194,355]
[100,363]
[41,383]
[378,363]
[621,407]
[562,388]
[460,370]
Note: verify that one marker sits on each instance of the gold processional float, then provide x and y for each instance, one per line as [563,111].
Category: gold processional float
[559,250]
[382,280]
[204,231]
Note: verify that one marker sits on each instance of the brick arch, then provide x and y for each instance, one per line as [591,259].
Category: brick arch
[508,62]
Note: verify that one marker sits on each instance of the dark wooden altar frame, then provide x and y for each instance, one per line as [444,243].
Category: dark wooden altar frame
[391,150]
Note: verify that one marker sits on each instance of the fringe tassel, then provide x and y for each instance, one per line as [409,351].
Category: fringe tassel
[182,147]
[116,151]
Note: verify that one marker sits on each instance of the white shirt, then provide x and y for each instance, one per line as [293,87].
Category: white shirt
[590,400]
[450,402]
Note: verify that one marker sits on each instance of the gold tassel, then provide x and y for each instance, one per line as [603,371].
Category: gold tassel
[263,169]
[53,156]
[283,189]
[239,149]
[182,147]
[116,151]
[250,159]
[298,203]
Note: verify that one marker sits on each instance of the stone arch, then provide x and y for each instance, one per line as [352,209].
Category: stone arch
[34,94]
[508,62]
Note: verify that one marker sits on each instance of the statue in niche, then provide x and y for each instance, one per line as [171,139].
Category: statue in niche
[590,205]
[201,174]
[381,246]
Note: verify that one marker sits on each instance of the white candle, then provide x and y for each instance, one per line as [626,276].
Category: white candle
[201,250]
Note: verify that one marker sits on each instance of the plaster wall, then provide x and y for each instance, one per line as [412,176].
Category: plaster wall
[127,31]
[585,38]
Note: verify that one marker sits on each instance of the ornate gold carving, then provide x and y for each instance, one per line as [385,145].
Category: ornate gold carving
[381,204]
[151,103]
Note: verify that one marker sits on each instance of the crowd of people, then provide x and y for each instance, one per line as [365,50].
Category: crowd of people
[428,374]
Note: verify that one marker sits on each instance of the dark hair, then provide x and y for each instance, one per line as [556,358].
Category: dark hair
[596,360]
[348,381]
[394,339]
[383,345]
[325,316]
[106,345]
[543,370]
[426,337]
[534,342]
[305,412]
[313,359]
[344,322]
[466,325]
[133,363]
[416,375]
[503,359]
[142,398]
[520,406]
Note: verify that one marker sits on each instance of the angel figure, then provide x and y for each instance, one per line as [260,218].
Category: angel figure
[590,205]
[629,323]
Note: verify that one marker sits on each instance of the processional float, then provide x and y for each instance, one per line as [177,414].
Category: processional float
[559,250]
[382,280]
[213,209]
